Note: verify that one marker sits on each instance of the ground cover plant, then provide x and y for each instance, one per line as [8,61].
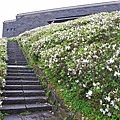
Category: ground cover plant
[82,59]
[3,58]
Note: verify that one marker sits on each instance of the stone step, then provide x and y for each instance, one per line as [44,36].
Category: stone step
[21,74]
[19,71]
[21,78]
[23,93]
[15,54]
[11,51]
[13,100]
[13,109]
[22,108]
[13,87]
[22,82]
[39,107]
[12,57]
[24,100]
[23,87]
[36,99]
[13,93]
[42,115]
[16,60]
[19,63]
[18,68]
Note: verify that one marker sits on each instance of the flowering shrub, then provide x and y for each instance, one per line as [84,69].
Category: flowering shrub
[3,58]
[82,57]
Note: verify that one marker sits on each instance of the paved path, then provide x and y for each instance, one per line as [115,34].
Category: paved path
[23,91]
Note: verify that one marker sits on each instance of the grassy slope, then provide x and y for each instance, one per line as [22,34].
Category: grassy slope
[82,58]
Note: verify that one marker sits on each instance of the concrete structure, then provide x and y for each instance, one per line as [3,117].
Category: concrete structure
[28,21]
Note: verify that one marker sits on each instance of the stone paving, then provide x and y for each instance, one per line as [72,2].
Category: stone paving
[33,116]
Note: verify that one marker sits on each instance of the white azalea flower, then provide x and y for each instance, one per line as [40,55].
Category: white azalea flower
[68,48]
[100,102]
[84,85]
[106,109]
[85,61]
[107,98]
[112,103]
[85,48]
[110,61]
[116,107]
[116,74]
[101,110]
[94,84]
[110,69]
[109,114]
[77,81]
[89,94]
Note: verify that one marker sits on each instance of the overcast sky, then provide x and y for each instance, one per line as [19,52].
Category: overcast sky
[10,8]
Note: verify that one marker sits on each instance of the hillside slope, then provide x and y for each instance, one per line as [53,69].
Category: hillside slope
[82,58]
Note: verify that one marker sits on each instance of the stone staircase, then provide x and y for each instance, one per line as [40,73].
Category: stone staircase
[23,91]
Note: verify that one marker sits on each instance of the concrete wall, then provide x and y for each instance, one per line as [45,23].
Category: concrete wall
[28,21]
[9,28]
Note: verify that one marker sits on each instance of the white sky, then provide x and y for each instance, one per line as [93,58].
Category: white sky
[10,8]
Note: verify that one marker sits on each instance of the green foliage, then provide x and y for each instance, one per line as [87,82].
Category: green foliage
[48,93]
[81,57]
[25,113]
[2,115]
[3,58]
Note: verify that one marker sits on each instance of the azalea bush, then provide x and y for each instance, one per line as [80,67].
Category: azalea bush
[3,58]
[82,58]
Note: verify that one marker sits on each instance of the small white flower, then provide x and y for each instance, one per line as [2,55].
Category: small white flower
[116,74]
[103,68]
[98,83]
[69,69]
[104,112]
[95,56]
[100,102]
[74,71]
[101,110]
[84,85]
[107,98]
[67,47]
[116,107]
[114,46]
[117,99]
[59,81]
[85,48]
[89,94]
[106,109]
[110,61]
[94,84]
[109,114]
[112,103]
[80,72]
[85,61]
[77,81]
[110,69]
